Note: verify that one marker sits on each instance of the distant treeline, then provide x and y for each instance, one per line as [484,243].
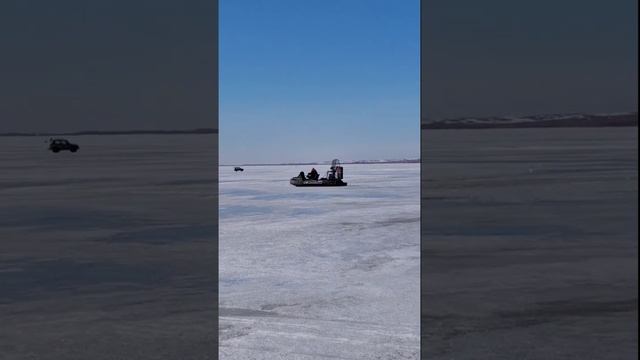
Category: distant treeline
[537,121]
[403,161]
[116,132]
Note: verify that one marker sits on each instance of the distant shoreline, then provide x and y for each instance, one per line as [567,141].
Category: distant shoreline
[572,120]
[358,162]
[116,132]
[576,120]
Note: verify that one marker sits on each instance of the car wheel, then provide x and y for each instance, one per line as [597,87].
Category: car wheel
[74,150]
[55,150]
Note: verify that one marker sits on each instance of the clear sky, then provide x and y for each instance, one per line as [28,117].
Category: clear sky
[506,57]
[72,65]
[317,80]
[309,80]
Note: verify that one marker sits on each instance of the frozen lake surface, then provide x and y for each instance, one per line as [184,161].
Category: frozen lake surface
[108,253]
[530,243]
[316,273]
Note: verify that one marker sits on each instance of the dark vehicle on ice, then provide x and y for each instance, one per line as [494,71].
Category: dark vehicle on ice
[333,178]
[238,168]
[57,145]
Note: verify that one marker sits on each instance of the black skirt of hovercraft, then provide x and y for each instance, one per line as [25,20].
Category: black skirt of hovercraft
[297,181]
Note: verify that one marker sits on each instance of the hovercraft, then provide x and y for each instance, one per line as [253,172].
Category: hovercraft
[333,178]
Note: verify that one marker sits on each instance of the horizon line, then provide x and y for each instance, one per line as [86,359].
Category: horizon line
[349,162]
[114,132]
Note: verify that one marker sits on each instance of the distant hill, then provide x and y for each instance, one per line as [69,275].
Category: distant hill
[116,132]
[537,121]
[399,161]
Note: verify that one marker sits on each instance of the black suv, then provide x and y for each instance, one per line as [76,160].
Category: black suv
[56,145]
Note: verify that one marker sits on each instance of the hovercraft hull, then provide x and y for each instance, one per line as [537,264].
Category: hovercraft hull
[296,181]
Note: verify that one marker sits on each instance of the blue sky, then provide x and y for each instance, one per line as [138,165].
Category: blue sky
[505,57]
[316,80]
[73,65]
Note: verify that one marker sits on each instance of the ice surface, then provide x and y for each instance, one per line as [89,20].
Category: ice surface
[108,253]
[530,244]
[316,273]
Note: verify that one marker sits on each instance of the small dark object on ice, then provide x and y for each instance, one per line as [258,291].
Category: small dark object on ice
[56,145]
[237,168]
